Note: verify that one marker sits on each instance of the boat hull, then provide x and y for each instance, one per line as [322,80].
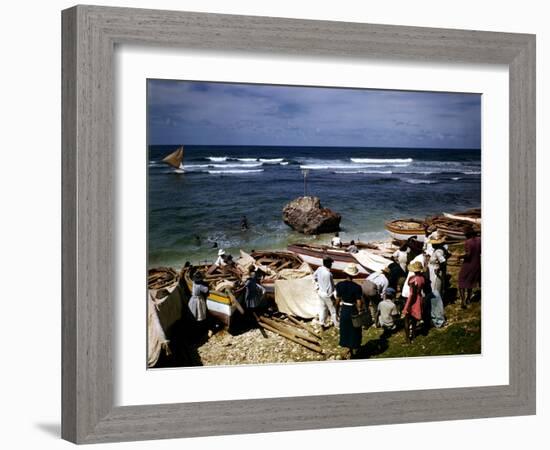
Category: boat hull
[218,304]
[402,236]
[402,232]
[314,257]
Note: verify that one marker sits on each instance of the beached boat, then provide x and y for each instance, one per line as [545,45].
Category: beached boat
[403,229]
[227,284]
[452,228]
[165,302]
[161,278]
[471,215]
[314,255]
[222,298]
[175,158]
[272,263]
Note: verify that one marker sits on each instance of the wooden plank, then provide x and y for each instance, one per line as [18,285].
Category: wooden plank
[290,337]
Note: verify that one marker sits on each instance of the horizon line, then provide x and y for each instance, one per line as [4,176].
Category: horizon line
[318,146]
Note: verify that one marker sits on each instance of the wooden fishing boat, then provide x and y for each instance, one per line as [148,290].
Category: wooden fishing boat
[221,304]
[161,278]
[471,215]
[403,229]
[314,255]
[165,302]
[452,228]
[274,262]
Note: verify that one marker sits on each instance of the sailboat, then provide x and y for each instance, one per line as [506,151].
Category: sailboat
[175,159]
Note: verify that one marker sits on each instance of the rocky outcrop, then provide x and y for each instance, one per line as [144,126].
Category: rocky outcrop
[306,215]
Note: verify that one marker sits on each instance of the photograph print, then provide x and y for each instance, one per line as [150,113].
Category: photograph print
[291,224]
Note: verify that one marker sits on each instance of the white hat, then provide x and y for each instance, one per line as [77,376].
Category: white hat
[351,269]
[221,252]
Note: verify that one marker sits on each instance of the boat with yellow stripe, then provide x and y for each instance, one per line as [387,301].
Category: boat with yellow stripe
[226,283]
[222,301]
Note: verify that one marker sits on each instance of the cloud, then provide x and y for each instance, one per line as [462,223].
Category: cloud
[249,114]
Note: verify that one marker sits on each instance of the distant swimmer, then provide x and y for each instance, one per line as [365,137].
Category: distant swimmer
[244,223]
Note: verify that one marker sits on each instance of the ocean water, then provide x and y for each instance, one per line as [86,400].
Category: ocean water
[189,211]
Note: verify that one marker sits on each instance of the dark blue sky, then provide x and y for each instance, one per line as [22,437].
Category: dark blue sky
[200,113]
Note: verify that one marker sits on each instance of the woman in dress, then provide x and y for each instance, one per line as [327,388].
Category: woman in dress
[469,276]
[197,302]
[349,301]
[412,311]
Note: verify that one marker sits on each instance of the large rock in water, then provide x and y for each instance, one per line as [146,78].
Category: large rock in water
[306,215]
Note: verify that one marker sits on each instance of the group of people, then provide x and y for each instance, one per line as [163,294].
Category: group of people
[409,288]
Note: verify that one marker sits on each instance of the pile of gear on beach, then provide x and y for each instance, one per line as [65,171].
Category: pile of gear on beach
[350,285]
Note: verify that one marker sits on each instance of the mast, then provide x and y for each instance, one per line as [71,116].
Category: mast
[175,158]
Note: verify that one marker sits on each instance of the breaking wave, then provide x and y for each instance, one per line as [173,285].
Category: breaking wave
[381,160]
[234,171]
[415,181]
[192,167]
[218,158]
[380,172]
[271,160]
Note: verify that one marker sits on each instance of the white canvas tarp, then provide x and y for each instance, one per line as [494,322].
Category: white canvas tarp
[297,297]
[162,313]
[371,261]
[290,274]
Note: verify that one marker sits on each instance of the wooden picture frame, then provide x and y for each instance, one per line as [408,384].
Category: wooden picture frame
[90,34]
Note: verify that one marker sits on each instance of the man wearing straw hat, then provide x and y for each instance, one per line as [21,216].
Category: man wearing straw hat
[437,264]
[349,300]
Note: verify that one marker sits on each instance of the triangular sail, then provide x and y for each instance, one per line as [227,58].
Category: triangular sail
[175,158]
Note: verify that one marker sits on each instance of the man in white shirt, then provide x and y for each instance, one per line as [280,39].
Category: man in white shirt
[336,241]
[220,262]
[374,288]
[325,291]
[380,280]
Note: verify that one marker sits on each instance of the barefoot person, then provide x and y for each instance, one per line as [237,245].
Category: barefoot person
[470,272]
[349,300]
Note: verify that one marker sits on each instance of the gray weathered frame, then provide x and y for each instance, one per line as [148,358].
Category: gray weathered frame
[89,37]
